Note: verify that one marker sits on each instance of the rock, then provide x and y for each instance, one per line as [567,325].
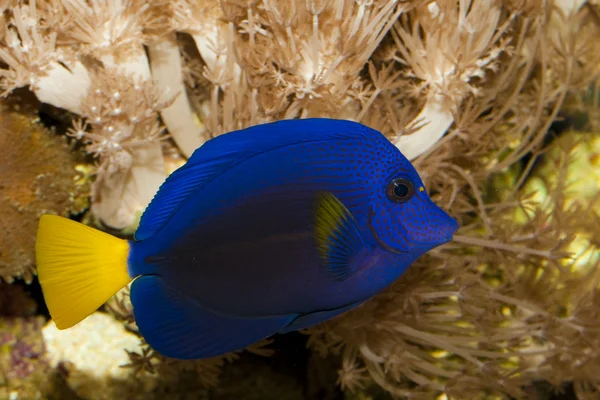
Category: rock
[93,353]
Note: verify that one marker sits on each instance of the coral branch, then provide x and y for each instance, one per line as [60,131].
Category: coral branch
[493,244]
[121,196]
[436,118]
[178,117]
[64,87]
[449,50]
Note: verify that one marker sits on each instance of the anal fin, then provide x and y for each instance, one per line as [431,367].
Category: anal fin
[179,328]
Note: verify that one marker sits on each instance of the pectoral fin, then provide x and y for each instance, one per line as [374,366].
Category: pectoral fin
[340,243]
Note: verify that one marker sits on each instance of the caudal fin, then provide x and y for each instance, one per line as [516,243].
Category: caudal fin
[79,268]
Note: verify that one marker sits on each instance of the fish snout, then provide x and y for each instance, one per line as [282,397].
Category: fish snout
[439,228]
[449,228]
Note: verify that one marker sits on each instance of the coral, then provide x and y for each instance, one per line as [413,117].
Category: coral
[22,364]
[37,175]
[431,334]
[269,60]
[469,90]
[409,69]
[122,130]
[88,58]
[451,60]
[93,354]
[577,155]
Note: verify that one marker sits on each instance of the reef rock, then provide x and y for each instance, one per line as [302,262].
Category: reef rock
[93,354]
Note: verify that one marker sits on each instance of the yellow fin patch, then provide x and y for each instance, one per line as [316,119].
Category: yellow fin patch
[79,268]
[338,238]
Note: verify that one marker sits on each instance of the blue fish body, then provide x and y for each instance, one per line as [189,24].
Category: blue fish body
[276,228]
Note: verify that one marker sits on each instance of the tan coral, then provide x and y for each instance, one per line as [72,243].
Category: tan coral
[66,60]
[450,50]
[492,311]
[121,129]
[274,60]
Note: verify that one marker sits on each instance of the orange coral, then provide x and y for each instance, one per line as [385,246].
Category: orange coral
[37,172]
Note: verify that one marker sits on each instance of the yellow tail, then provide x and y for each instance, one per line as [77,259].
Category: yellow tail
[79,268]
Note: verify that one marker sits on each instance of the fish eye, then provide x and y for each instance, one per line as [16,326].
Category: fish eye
[400,190]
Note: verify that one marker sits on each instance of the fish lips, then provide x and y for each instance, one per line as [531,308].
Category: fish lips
[444,232]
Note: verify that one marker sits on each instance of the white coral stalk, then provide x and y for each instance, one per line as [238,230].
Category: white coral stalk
[214,45]
[122,194]
[569,6]
[125,139]
[168,76]
[62,87]
[436,118]
[135,65]
[447,48]
[126,191]
[212,37]
[33,60]
[132,167]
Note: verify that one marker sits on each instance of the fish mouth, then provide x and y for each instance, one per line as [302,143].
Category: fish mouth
[425,245]
[379,240]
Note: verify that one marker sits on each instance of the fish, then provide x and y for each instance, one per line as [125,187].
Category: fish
[264,230]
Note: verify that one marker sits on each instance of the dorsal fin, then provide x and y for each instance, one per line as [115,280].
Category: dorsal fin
[227,150]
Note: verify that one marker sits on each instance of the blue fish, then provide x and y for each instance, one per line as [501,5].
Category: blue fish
[265,230]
